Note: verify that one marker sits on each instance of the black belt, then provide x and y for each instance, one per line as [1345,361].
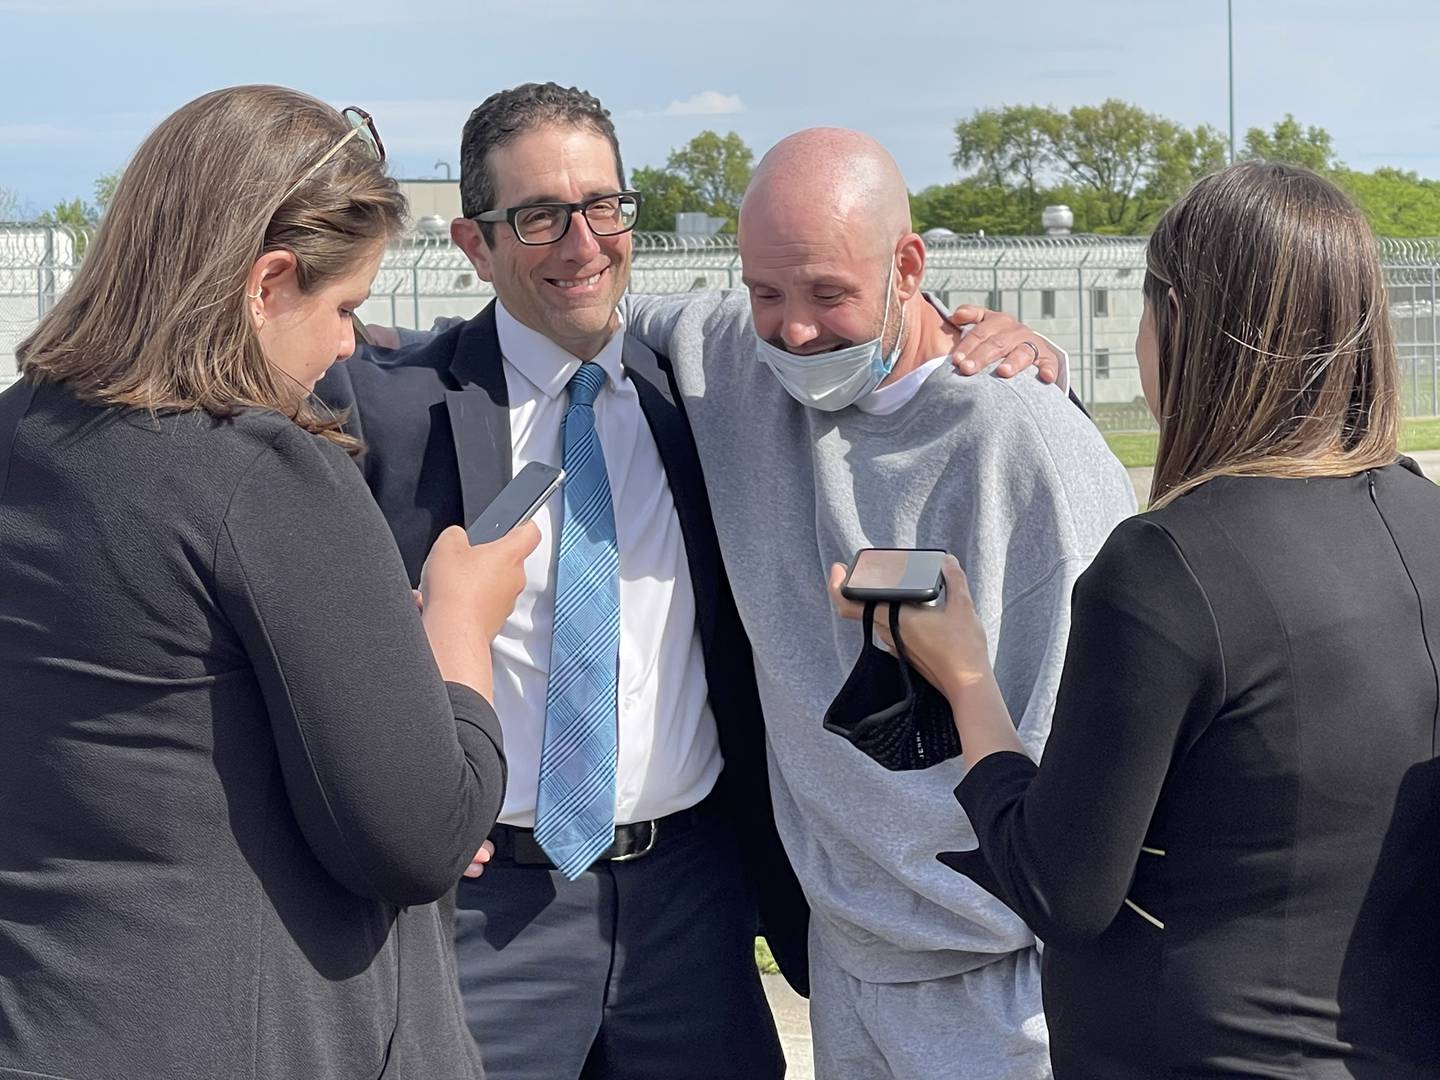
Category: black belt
[633,841]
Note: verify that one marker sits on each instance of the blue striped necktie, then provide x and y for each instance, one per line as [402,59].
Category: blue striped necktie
[575,803]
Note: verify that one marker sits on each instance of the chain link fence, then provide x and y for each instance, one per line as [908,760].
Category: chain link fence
[36,265]
[1082,292]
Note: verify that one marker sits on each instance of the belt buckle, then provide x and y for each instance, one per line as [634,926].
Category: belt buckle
[646,850]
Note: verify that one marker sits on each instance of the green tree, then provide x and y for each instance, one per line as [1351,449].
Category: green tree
[1012,146]
[105,190]
[717,169]
[662,196]
[1181,159]
[971,205]
[1010,149]
[76,215]
[1116,165]
[1289,143]
[1133,162]
[1398,203]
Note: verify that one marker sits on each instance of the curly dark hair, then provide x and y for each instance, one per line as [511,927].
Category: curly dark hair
[510,113]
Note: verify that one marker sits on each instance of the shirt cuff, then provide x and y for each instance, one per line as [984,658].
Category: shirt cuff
[1062,377]
[991,784]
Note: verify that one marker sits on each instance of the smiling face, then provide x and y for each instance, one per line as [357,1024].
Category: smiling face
[813,290]
[825,243]
[567,290]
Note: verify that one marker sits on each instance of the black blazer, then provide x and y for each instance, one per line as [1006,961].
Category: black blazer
[231,778]
[1232,847]
[435,420]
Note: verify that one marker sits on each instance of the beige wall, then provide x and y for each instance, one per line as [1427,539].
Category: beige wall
[432,197]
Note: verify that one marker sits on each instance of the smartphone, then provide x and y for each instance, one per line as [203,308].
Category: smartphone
[895,575]
[517,502]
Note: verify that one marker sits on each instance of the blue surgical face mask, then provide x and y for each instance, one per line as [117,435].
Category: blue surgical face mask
[834,380]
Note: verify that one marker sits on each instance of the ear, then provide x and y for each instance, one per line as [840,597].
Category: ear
[468,237]
[909,265]
[269,285]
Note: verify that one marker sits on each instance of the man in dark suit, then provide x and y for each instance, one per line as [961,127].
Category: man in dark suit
[636,855]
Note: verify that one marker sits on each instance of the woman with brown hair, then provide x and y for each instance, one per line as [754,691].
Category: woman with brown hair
[1230,847]
[236,765]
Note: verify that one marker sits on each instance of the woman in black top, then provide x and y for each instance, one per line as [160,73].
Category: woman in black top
[1231,847]
[236,765]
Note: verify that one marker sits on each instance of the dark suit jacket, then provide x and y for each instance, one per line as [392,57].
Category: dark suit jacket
[231,779]
[435,421]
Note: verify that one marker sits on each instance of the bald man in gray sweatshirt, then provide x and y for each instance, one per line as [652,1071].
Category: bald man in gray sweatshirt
[828,419]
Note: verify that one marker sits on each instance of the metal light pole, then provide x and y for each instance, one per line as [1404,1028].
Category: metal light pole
[1230,53]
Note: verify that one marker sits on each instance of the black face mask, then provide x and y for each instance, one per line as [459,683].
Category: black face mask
[897,719]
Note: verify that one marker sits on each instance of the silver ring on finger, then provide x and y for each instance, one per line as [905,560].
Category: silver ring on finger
[1034,352]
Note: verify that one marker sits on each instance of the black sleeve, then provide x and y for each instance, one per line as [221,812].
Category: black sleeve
[1059,842]
[395,776]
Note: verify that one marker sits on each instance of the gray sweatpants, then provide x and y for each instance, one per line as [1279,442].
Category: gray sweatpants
[986,1024]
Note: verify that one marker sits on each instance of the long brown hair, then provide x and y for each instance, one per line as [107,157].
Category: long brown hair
[1276,354]
[156,317]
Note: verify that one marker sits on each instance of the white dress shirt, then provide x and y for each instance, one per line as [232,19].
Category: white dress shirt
[669,752]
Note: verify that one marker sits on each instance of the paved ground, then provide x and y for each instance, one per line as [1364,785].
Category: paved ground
[1428,460]
[792,1018]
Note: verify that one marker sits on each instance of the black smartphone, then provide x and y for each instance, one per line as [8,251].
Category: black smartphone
[895,575]
[517,502]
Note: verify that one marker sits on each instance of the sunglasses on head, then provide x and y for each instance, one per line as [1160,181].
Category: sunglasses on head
[362,127]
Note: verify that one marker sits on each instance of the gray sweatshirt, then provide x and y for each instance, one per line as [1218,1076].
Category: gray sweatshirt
[1010,477]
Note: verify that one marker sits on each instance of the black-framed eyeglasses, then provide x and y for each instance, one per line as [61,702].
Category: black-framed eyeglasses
[545,223]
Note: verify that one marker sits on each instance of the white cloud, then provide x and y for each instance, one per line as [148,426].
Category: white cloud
[706,103]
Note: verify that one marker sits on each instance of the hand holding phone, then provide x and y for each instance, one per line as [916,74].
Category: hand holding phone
[468,592]
[895,575]
[517,502]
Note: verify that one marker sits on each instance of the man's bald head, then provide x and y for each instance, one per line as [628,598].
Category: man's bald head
[826,244]
[825,181]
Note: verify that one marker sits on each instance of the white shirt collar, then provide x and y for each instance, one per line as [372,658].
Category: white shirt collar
[884,400]
[545,364]
[890,397]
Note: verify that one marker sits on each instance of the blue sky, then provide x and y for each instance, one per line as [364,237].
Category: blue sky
[83,80]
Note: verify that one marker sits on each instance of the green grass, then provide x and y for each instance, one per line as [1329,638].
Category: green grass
[1136,449]
[763,960]
[1420,434]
